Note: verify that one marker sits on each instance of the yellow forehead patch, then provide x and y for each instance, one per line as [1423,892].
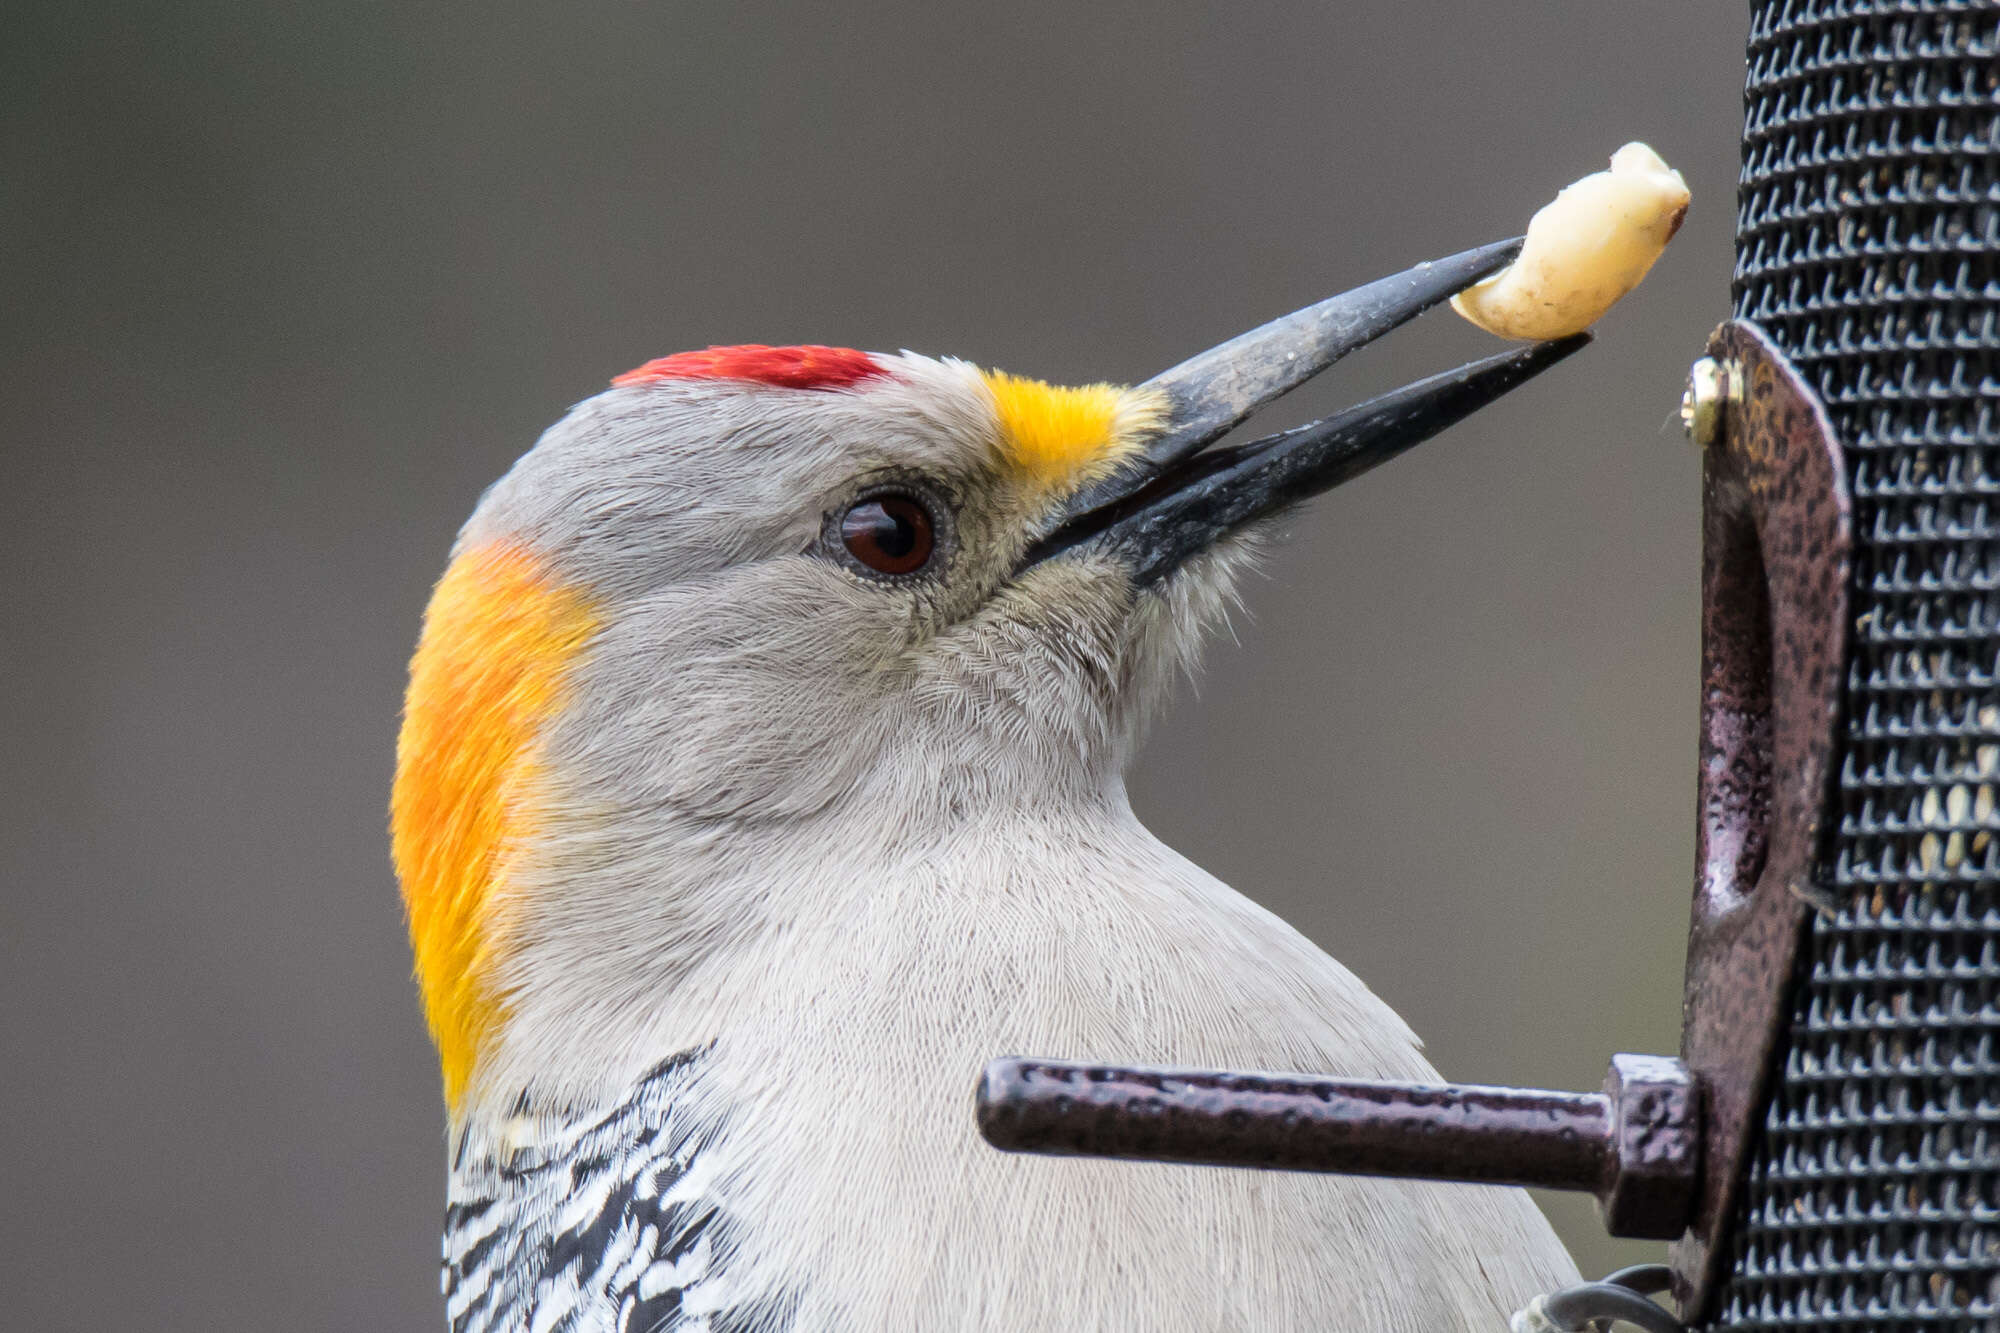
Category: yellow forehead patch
[1057,438]
[497,644]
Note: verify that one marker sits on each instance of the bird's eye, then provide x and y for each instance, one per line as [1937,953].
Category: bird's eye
[890,533]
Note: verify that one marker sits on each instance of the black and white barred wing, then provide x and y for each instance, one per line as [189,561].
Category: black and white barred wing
[589,1225]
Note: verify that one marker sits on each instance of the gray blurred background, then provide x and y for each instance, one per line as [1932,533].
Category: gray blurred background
[286,284]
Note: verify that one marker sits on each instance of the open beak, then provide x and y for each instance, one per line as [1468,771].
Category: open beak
[1178,497]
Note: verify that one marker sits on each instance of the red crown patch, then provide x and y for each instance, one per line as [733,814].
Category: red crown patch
[807,367]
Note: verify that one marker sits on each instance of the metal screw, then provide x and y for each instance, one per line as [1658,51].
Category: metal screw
[1711,384]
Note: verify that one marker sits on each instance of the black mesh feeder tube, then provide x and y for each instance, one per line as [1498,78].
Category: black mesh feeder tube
[1868,251]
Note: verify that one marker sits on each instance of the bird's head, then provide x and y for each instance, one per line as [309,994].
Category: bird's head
[748,592]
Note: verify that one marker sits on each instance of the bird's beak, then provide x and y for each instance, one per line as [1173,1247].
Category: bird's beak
[1177,497]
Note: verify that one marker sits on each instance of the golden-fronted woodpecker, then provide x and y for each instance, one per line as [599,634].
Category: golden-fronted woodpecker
[762,777]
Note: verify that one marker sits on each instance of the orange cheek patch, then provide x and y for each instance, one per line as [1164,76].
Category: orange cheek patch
[498,642]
